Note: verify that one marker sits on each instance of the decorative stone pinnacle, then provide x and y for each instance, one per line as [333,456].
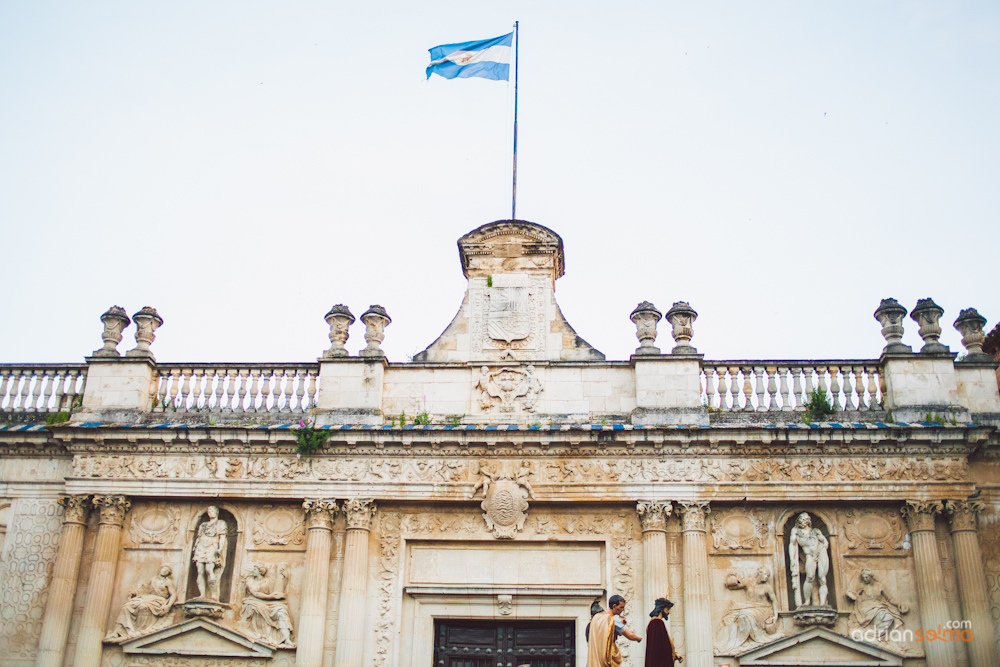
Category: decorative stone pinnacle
[115,320]
[376,320]
[645,317]
[970,324]
[927,314]
[890,315]
[339,318]
[681,317]
[147,321]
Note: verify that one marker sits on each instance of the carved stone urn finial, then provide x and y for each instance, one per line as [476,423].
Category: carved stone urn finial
[147,321]
[890,315]
[970,324]
[115,320]
[339,318]
[645,317]
[376,320]
[927,314]
[681,317]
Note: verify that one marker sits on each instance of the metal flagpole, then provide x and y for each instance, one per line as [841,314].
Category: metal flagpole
[513,190]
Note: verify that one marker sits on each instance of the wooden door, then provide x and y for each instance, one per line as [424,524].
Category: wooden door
[499,644]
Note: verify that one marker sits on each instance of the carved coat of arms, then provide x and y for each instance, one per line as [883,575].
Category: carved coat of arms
[508,316]
[506,386]
[505,499]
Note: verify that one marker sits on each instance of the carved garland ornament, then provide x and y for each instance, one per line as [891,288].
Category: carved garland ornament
[389,529]
[740,528]
[154,524]
[278,526]
[873,529]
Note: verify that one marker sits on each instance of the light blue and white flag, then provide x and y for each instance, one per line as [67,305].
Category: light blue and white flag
[486,58]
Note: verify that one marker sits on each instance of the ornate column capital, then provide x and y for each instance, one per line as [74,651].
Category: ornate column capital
[962,513]
[360,513]
[919,514]
[112,509]
[693,514]
[75,508]
[320,513]
[653,514]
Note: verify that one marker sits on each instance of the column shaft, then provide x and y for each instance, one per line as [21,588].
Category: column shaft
[62,588]
[697,604]
[930,579]
[102,580]
[312,617]
[655,575]
[354,584]
[972,585]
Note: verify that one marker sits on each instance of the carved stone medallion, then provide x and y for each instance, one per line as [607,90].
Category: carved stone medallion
[278,526]
[873,529]
[739,528]
[508,389]
[154,525]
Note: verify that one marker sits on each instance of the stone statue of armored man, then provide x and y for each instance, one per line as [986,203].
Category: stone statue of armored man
[210,554]
[809,564]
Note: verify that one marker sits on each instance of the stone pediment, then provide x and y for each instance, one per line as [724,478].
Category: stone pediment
[198,637]
[511,246]
[819,646]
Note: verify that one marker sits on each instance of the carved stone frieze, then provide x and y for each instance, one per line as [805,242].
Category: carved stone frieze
[278,526]
[693,514]
[75,508]
[653,514]
[623,469]
[359,513]
[112,508]
[320,512]
[962,513]
[156,525]
[920,515]
[506,490]
[508,389]
[741,529]
[872,529]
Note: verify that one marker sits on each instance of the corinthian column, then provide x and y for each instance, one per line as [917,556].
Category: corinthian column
[354,587]
[930,580]
[972,581]
[655,575]
[312,617]
[102,579]
[59,608]
[697,604]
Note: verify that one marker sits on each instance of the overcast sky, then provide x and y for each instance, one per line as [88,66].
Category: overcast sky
[244,166]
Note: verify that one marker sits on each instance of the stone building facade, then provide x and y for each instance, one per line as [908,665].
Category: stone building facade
[466,508]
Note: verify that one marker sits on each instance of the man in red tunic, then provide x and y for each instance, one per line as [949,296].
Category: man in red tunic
[659,649]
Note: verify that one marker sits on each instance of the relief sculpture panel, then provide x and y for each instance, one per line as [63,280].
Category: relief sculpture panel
[875,530]
[741,529]
[154,526]
[278,527]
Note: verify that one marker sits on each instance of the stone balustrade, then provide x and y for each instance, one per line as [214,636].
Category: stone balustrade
[784,386]
[40,388]
[271,389]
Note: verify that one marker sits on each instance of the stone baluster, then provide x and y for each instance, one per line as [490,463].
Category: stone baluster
[890,315]
[115,320]
[873,399]
[5,376]
[375,320]
[93,624]
[734,389]
[797,389]
[244,384]
[697,603]
[340,319]
[147,321]
[62,587]
[653,516]
[22,401]
[645,318]
[835,388]
[928,314]
[61,379]
[786,399]
[312,391]
[267,387]
[930,579]
[972,586]
[286,399]
[970,324]
[759,381]
[36,391]
[772,387]
[320,514]
[300,391]
[681,317]
[354,586]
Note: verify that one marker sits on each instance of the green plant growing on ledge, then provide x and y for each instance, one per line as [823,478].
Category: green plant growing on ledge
[422,419]
[310,439]
[818,406]
[57,418]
